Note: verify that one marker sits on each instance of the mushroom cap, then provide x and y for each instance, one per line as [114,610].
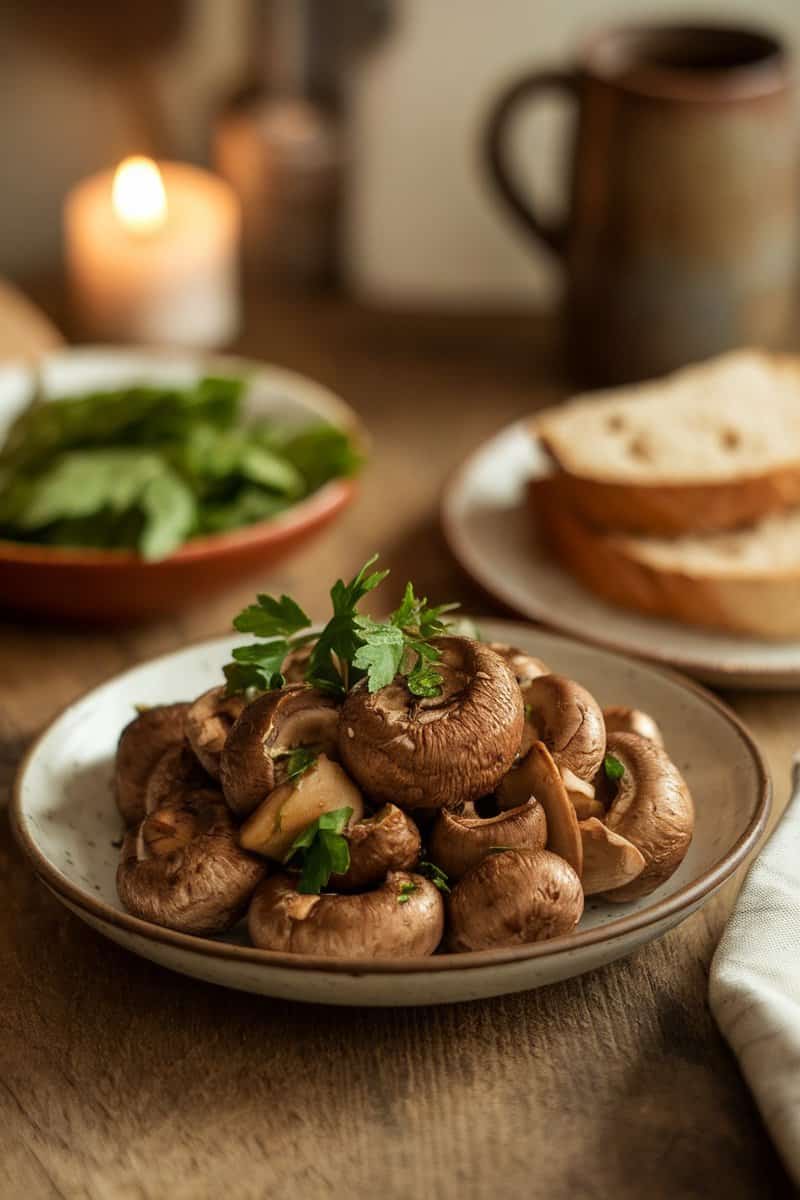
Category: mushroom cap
[403,918]
[141,744]
[176,774]
[438,752]
[208,723]
[294,804]
[387,841]
[513,898]
[460,840]
[295,665]
[537,775]
[183,868]
[568,719]
[609,861]
[619,719]
[652,808]
[525,667]
[255,758]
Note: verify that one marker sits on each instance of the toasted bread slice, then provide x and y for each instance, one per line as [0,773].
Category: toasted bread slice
[710,447]
[743,581]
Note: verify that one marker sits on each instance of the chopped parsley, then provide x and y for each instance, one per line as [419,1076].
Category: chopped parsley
[613,768]
[321,850]
[406,891]
[436,875]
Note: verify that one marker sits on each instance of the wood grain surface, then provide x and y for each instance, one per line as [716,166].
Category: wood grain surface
[122,1081]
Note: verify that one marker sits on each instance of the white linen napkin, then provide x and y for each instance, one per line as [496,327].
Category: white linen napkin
[754,988]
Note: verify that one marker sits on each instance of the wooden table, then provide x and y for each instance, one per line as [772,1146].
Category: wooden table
[121,1080]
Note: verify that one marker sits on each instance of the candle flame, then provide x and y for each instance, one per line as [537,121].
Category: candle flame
[137,195]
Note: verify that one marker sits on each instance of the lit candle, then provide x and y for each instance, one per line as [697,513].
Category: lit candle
[152,254]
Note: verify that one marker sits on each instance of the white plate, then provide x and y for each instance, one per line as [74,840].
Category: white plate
[490,532]
[66,821]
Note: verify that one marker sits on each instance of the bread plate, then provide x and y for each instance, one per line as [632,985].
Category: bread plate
[490,532]
[66,822]
[113,585]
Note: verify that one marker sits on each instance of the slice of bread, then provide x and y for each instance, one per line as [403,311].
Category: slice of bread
[744,581]
[710,447]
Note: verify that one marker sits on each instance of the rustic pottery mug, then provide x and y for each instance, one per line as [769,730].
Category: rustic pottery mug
[681,238]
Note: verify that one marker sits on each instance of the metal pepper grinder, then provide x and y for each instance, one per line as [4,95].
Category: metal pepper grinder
[283,153]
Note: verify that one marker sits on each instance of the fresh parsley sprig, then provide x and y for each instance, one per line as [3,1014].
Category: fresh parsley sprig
[279,622]
[323,851]
[352,646]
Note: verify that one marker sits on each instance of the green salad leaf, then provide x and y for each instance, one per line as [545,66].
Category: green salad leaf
[148,467]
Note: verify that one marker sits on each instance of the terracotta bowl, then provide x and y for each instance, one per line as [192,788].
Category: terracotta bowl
[108,585]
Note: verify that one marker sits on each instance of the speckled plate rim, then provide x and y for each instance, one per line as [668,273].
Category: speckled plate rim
[720,673]
[682,901]
[326,500]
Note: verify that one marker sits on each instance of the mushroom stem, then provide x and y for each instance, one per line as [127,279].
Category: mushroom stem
[652,808]
[537,775]
[292,806]
[609,861]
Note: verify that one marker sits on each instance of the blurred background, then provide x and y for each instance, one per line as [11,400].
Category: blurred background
[404,85]
[524,197]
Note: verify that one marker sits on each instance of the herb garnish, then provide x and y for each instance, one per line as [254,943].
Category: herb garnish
[436,875]
[613,768]
[406,890]
[299,761]
[323,849]
[350,647]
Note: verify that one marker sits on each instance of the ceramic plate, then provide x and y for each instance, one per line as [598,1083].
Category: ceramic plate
[490,533]
[66,822]
[118,585]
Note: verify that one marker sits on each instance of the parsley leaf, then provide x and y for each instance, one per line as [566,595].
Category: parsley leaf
[272,618]
[613,768]
[324,850]
[381,653]
[436,875]
[299,761]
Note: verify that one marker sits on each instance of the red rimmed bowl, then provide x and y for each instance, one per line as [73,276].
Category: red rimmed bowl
[110,585]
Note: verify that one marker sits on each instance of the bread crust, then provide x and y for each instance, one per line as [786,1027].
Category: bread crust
[765,605]
[712,446]
[669,510]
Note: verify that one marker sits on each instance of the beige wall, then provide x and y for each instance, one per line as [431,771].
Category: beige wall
[58,120]
[417,105]
[424,224]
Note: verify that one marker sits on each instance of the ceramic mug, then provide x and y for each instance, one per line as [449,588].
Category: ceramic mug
[681,238]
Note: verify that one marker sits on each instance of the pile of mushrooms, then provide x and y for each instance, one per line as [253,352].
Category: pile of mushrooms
[513,785]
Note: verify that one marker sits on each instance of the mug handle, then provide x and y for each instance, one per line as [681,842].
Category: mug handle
[498,160]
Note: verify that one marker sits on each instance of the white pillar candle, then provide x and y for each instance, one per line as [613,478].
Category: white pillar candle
[152,254]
